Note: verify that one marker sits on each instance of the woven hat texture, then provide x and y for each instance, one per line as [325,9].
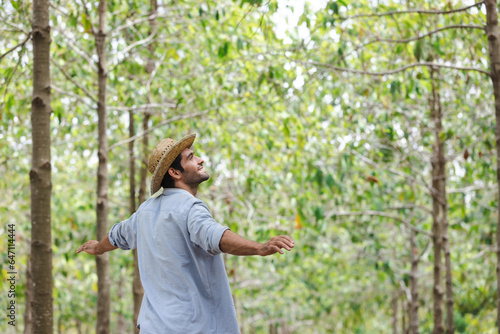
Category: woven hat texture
[162,157]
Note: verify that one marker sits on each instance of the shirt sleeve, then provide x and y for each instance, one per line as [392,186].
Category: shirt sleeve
[204,231]
[124,234]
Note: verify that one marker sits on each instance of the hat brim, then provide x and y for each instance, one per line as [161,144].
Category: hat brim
[167,159]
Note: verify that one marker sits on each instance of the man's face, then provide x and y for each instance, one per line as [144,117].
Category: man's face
[194,173]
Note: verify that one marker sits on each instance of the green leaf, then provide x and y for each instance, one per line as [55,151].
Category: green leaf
[87,25]
[417,51]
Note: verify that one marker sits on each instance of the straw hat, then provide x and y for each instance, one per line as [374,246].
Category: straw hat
[162,157]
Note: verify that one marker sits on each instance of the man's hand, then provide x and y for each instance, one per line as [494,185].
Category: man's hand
[275,245]
[90,247]
[94,247]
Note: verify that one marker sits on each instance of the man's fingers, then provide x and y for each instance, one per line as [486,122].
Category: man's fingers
[277,249]
[284,241]
[281,244]
[86,246]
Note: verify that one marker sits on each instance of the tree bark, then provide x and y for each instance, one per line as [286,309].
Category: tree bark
[40,174]
[413,305]
[437,210]
[145,158]
[395,297]
[131,162]
[443,204]
[450,324]
[493,35]
[102,261]
[121,325]
[137,289]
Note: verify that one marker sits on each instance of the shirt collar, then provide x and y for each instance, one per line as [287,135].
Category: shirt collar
[171,191]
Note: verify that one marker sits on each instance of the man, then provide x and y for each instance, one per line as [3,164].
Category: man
[179,248]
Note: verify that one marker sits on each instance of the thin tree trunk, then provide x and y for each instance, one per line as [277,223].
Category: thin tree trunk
[450,324]
[413,305]
[121,326]
[145,158]
[131,162]
[443,203]
[102,261]
[493,35]
[29,297]
[137,289]
[40,174]
[79,326]
[395,297]
[437,213]
[404,329]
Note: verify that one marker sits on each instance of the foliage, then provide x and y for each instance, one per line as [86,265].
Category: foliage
[338,160]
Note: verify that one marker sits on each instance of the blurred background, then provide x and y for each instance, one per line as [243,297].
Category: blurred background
[364,130]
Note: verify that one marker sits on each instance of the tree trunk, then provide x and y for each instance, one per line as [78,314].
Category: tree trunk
[137,289]
[79,326]
[121,325]
[493,35]
[437,210]
[443,204]
[102,261]
[450,324]
[40,174]
[413,305]
[395,297]
[145,158]
[131,162]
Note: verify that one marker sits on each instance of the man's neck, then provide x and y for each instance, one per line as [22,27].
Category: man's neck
[193,190]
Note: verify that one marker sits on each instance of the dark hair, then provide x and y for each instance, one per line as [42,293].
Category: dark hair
[168,181]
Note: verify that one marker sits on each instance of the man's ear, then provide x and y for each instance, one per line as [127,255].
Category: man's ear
[174,173]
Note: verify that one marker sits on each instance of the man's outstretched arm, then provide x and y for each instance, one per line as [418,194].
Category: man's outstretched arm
[234,244]
[94,247]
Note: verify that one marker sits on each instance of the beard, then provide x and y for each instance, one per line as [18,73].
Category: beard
[195,178]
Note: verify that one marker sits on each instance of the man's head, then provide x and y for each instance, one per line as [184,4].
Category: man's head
[186,170]
[163,156]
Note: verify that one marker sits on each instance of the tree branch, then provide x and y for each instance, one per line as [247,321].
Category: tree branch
[16,27]
[408,177]
[73,81]
[174,119]
[17,46]
[378,214]
[472,188]
[410,206]
[141,42]
[412,11]
[389,72]
[153,75]
[430,33]
[75,96]
[165,122]
[144,107]
[140,20]
[78,50]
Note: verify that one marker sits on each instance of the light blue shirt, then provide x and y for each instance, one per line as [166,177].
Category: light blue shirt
[186,289]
